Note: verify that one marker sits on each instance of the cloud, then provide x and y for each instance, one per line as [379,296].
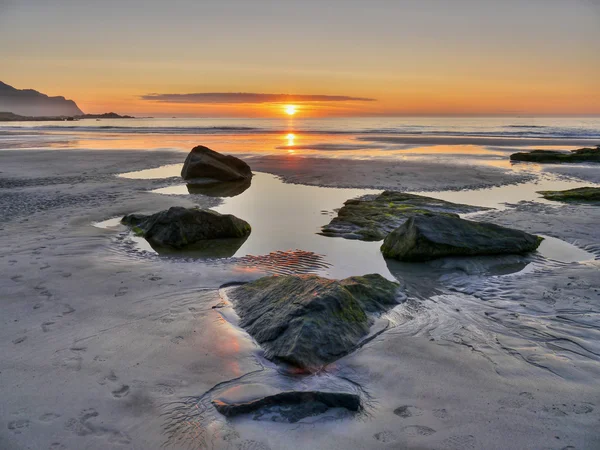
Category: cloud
[247,97]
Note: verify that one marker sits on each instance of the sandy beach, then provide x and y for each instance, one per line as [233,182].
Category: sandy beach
[101,342]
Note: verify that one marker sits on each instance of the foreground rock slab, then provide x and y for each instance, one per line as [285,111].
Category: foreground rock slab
[202,162]
[180,227]
[309,321]
[584,194]
[552,156]
[281,406]
[373,217]
[427,237]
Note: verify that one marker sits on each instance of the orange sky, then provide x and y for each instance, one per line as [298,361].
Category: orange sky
[414,57]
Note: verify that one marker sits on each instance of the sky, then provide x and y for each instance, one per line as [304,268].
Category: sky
[245,58]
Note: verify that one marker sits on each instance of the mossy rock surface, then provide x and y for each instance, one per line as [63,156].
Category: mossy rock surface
[584,194]
[373,217]
[428,237]
[309,321]
[553,156]
[180,228]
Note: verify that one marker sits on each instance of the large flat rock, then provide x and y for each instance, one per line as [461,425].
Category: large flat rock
[373,217]
[427,237]
[309,321]
[584,194]
[553,156]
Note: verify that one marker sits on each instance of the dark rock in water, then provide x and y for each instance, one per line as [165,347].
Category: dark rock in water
[373,217]
[287,406]
[427,237]
[584,194]
[180,227]
[552,156]
[202,162]
[220,189]
[308,321]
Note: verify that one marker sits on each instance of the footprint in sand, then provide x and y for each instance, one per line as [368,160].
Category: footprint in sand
[57,446]
[418,430]
[73,363]
[385,436]
[121,292]
[48,326]
[121,392]
[463,442]
[19,340]
[18,426]
[406,411]
[17,278]
[440,413]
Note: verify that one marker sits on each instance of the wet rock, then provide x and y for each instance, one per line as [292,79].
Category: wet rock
[286,406]
[202,162]
[220,189]
[428,236]
[180,227]
[552,156]
[584,194]
[309,321]
[373,217]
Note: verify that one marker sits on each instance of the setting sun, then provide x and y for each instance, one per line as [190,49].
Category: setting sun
[290,109]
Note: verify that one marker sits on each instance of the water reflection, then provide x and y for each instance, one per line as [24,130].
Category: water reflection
[221,189]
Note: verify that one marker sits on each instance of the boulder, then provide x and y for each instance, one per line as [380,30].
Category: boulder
[584,194]
[309,321]
[553,156]
[427,237]
[202,162]
[373,217]
[180,227]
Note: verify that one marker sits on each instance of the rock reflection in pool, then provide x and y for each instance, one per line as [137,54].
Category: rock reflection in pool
[209,248]
[219,189]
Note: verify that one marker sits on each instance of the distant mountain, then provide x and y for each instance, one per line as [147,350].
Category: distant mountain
[27,102]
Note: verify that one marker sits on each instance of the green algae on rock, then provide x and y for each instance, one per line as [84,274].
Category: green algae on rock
[373,217]
[584,194]
[553,156]
[180,227]
[429,236]
[309,321]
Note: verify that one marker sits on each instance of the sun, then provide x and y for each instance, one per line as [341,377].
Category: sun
[290,109]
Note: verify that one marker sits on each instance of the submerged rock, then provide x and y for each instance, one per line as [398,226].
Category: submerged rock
[282,406]
[220,189]
[553,156]
[427,237]
[309,321]
[202,162]
[373,217]
[584,194]
[180,227]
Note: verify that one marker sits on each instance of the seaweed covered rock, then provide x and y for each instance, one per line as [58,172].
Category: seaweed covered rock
[180,227]
[202,162]
[553,156]
[309,321]
[373,217]
[427,237]
[584,194]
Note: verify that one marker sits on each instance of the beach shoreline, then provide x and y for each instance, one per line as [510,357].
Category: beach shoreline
[100,342]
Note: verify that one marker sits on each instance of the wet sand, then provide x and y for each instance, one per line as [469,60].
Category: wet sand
[99,341]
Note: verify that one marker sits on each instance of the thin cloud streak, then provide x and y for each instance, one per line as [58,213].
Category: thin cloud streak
[248,97]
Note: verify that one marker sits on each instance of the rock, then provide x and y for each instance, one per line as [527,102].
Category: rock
[282,406]
[309,321]
[427,237]
[220,189]
[552,156]
[373,217]
[180,227]
[202,162]
[584,194]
